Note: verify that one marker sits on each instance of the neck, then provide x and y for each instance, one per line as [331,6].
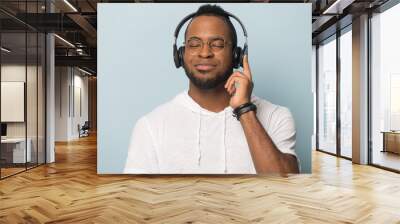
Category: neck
[215,100]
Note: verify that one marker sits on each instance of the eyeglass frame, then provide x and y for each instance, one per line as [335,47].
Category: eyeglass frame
[196,51]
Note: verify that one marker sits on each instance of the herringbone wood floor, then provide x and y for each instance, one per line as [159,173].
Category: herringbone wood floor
[70,191]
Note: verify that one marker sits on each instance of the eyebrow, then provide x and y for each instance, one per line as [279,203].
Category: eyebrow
[211,38]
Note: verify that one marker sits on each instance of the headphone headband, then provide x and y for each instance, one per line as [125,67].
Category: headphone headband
[184,20]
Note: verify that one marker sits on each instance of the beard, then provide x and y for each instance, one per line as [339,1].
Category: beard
[209,83]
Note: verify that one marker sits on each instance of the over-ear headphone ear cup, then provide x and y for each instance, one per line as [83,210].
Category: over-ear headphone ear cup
[176,56]
[241,58]
[236,57]
[242,54]
[181,53]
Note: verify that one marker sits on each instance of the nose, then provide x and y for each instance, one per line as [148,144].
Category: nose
[205,51]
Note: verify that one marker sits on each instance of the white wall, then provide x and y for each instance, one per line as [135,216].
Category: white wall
[62,81]
[70,83]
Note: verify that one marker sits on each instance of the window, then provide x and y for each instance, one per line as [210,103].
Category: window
[346,93]
[327,96]
[385,88]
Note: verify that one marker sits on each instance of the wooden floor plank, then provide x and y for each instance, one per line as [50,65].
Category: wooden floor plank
[70,191]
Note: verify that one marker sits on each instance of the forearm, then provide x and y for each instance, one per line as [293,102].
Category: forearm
[266,157]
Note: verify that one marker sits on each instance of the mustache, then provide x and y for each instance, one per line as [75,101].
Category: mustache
[210,83]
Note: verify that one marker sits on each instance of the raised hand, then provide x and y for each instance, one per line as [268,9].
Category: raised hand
[240,85]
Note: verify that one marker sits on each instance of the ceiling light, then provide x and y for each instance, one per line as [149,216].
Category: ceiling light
[5,50]
[84,71]
[64,40]
[70,5]
[338,6]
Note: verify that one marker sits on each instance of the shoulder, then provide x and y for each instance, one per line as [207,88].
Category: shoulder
[160,113]
[270,113]
[265,107]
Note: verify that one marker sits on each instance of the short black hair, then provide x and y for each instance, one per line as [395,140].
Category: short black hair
[215,10]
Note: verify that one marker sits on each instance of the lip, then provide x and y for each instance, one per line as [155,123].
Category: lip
[204,66]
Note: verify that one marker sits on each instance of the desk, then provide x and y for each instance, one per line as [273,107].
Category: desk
[391,141]
[15,148]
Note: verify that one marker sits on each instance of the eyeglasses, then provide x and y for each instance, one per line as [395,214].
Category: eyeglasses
[195,45]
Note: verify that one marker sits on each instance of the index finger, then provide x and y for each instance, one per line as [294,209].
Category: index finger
[246,67]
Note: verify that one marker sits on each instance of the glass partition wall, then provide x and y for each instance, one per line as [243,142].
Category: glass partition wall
[22,88]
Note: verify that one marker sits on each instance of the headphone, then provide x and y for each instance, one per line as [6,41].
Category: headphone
[238,52]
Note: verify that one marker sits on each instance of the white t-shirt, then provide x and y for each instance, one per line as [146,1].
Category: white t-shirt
[180,137]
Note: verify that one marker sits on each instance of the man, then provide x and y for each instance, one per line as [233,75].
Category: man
[195,132]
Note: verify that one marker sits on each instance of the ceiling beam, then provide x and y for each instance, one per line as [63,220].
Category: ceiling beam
[84,24]
[85,61]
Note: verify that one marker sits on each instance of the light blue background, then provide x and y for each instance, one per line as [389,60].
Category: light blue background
[136,72]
